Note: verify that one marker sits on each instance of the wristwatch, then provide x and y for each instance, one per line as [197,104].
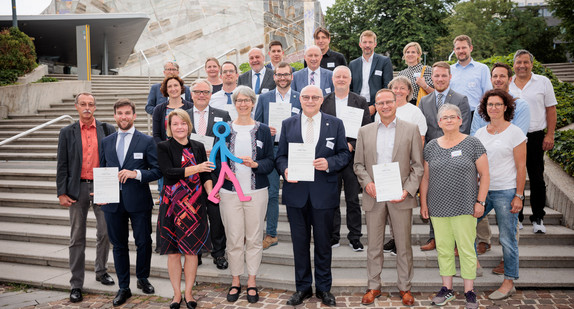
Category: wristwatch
[520,196]
[481,203]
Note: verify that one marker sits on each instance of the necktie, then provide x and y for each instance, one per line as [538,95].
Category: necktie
[257,83]
[202,125]
[310,135]
[312,81]
[228,94]
[440,100]
[121,146]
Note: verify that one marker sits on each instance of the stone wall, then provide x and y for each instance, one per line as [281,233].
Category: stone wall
[559,193]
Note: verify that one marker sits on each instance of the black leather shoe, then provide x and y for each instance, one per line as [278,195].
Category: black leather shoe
[174,306]
[220,262]
[145,286]
[190,304]
[199,262]
[252,298]
[233,297]
[105,279]
[122,296]
[326,298]
[76,295]
[298,297]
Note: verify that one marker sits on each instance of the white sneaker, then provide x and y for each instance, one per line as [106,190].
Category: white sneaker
[520,226]
[538,227]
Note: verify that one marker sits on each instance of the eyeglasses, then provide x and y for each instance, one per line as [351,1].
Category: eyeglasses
[315,98]
[446,118]
[243,101]
[384,103]
[495,105]
[204,92]
[229,72]
[284,75]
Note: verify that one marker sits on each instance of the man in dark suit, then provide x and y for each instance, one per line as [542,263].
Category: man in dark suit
[259,78]
[155,96]
[203,117]
[335,104]
[311,204]
[313,74]
[78,146]
[331,59]
[135,156]
[430,104]
[371,71]
[283,94]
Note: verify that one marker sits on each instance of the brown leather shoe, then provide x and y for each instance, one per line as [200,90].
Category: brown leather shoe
[430,245]
[499,270]
[408,299]
[482,247]
[370,296]
[269,241]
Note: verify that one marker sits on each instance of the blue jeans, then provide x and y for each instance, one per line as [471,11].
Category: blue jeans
[500,200]
[273,202]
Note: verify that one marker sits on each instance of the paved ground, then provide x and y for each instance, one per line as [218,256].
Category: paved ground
[213,296]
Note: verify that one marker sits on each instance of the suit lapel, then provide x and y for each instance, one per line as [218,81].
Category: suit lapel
[298,129]
[133,143]
[372,150]
[373,65]
[448,97]
[330,106]
[398,137]
[78,141]
[267,79]
[325,126]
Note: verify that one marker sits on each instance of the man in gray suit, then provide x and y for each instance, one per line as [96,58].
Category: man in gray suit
[313,74]
[430,104]
[78,147]
[259,78]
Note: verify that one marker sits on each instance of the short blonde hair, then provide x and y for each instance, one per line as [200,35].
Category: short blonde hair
[368,33]
[417,47]
[181,114]
[404,80]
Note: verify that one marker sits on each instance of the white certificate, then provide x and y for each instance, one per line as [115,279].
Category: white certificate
[352,119]
[230,108]
[207,141]
[388,181]
[277,113]
[106,185]
[300,162]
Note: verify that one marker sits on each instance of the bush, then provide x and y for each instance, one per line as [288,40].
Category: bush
[46,79]
[17,55]
[244,67]
[563,151]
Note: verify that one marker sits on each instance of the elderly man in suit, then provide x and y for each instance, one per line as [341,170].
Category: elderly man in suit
[78,146]
[335,104]
[259,78]
[311,204]
[371,71]
[283,94]
[313,74]
[430,104]
[135,156]
[155,97]
[203,117]
[389,140]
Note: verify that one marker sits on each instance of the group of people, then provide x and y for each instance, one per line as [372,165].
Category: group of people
[463,136]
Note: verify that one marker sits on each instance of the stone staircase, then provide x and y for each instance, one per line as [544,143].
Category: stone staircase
[34,229]
[563,71]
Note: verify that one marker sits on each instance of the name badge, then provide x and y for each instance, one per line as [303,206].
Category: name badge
[259,144]
[138,155]
[295,110]
[330,64]
[330,145]
[328,90]
[217,119]
[456,153]
[378,72]
[264,90]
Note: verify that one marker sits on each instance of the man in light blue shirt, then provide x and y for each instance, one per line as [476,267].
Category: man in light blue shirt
[469,77]
[501,76]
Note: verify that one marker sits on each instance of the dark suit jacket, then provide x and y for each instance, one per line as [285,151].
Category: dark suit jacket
[213,113]
[267,82]
[301,79]
[322,192]
[169,154]
[331,59]
[155,97]
[429,109]
[158,120]
[377,80]
[135,194]
[262,110]
[330,107]
[70,156]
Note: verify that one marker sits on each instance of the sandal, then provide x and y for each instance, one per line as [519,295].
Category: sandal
[252,298]
[233,297]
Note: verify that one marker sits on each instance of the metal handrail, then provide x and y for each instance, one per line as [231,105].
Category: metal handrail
[149,87]
[218,57]
[36,128]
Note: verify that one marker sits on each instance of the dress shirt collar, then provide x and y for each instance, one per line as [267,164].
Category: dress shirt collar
[370,60]
[129,131]
[470,64]
[393,123]
[262,73]
[281,98]
[316,118]
[196,111]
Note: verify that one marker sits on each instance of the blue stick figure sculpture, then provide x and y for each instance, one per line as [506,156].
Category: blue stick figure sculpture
[225,170]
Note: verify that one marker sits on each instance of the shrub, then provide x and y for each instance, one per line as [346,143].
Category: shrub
[563,151]
[244,67]
[46,79]
[17,55]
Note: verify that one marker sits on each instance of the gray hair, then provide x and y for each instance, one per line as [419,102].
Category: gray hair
[521,52]
[76,100]
[449,107]
[312,46]
[404,80]
[256,49]
[246,91]
[342,67]
[172,63]
[201,80]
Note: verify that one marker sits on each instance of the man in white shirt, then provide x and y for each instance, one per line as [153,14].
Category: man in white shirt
[537,90]
[222,98]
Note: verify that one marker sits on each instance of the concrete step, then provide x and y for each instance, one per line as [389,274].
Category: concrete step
[8,156]
[34,141]
[49,132]
[28,149]
[16,172]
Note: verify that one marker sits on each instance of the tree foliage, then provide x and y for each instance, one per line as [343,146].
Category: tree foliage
[17,55]
[564,9]
[346,19]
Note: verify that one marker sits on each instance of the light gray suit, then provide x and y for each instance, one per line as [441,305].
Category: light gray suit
[408,152]
[429,109]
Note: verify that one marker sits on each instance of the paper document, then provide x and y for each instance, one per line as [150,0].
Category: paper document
[207,141]
[277,113]
[300,162]
[106,185]
[352,120]
[388,181]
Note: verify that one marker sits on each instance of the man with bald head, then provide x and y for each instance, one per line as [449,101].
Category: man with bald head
[313,74]
[259,78]
[311,204]
[336,104]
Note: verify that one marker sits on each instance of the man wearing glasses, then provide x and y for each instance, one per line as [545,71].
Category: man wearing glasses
[229,76]
[155,97]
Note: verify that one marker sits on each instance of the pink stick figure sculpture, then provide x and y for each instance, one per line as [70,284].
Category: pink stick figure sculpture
[225,170]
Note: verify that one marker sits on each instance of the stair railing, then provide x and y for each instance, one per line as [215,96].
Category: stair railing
[196,70]
[36,128]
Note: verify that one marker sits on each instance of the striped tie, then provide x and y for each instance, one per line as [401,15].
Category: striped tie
[310,136]
[312,81]
[202,125]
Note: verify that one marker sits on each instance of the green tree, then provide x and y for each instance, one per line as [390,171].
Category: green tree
[564,9]
[346,19]
[17,55]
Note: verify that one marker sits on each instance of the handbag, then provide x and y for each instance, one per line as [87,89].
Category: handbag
[422,92]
